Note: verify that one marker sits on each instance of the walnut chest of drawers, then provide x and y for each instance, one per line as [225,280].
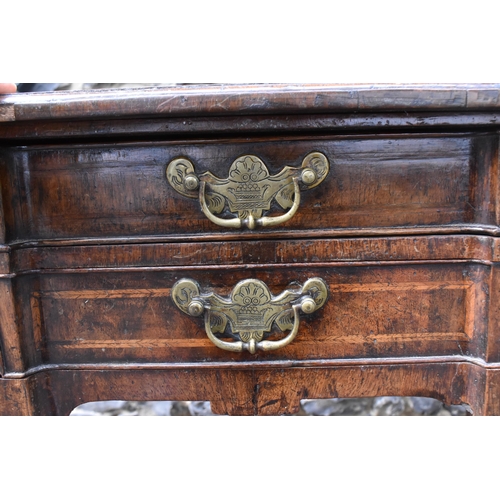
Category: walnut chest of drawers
[250,245]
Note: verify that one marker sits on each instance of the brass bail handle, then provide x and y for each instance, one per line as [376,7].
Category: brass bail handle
[249,190]
[249,221]
[251,312]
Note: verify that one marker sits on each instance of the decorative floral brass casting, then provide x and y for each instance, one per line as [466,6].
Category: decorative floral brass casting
[249,189]
[251,311]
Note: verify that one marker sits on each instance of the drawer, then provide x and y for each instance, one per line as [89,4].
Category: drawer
[375,185]
[374,309]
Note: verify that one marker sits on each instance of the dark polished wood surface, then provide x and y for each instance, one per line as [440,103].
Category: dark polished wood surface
[248,99]
[404,231]
[387,183]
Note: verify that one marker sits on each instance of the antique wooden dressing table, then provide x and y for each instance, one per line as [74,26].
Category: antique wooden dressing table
[250,245]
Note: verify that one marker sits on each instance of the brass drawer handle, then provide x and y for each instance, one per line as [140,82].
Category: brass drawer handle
[251,311]
[248,190]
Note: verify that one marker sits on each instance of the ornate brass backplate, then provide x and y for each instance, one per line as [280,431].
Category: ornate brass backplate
[249,189]
[251,311]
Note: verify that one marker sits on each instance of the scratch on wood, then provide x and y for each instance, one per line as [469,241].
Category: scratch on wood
[165,104]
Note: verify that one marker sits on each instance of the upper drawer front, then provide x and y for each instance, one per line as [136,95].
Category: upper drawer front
[373,183]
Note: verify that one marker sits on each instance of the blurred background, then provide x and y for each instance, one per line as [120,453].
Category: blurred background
[381,406]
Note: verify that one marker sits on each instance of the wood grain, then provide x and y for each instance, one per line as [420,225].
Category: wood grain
[16,398]
[233,99]
[10,328]
[116,191]
[231,253]
[263,391]
[399,309]
[167,128]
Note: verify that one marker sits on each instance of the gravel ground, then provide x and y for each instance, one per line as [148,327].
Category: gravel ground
[382,406]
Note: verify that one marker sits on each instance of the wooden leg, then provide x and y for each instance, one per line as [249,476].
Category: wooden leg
[492,393]
[16,397]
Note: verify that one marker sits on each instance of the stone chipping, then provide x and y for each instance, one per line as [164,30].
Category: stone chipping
[381,406]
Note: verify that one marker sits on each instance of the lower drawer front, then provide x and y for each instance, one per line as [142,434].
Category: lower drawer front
[371,311]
